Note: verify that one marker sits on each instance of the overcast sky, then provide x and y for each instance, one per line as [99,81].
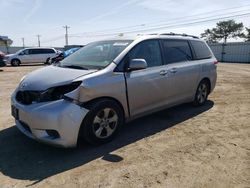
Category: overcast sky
[93,20]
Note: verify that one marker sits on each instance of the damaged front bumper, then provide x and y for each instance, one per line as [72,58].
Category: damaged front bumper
[55,122]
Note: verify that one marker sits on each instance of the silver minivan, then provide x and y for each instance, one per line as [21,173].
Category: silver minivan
[92,93]
[31,55]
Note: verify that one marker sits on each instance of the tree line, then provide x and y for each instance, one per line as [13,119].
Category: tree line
[225,30]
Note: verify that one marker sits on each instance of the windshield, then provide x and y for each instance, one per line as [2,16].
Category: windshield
[96,55]
[19,51]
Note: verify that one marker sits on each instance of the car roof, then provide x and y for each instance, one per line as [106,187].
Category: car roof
[40,48]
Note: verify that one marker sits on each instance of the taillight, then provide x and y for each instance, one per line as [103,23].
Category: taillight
[216,62]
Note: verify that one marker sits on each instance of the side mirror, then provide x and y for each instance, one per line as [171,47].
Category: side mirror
[137,64]
[21,53]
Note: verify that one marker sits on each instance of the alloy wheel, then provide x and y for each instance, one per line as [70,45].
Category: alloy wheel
[202,93]
[105,123]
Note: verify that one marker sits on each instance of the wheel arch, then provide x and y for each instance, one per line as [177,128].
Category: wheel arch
[15,59]
[106,98]
[206,79]
[87,106]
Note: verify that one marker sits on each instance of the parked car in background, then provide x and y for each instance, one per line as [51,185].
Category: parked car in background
[62,55]
[31,55]
[90,94]
[2,59]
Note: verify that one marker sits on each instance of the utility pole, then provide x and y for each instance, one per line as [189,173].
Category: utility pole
[38,37]
[23,42]
[66,35]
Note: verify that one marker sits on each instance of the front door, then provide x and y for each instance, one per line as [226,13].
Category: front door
[146,88]
[24,56]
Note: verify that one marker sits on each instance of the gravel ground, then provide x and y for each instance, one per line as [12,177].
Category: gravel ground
[184,146]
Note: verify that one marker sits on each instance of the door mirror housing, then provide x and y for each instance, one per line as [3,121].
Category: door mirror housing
[137,64]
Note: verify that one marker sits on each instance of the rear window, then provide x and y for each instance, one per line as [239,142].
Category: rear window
[48,51]
[201,50]
[176,51]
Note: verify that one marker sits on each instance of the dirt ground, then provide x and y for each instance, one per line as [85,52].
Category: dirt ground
[184,146]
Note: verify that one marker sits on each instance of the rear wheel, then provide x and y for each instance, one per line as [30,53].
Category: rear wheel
[15,62]
[102,122]
[201,93]
[47,61]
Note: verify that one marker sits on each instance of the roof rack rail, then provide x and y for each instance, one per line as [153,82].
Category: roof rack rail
[177,34]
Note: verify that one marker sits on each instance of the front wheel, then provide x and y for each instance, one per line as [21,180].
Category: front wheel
[102,122]
[201,93]
[15,62]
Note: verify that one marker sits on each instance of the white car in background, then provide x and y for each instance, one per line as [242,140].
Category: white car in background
[31,55]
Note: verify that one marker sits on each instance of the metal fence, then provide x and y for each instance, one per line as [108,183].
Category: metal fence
[238,52]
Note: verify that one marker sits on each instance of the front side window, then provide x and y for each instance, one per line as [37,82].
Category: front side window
[149,51]
[95,55]
[26,52]
[176,51]
[23,52]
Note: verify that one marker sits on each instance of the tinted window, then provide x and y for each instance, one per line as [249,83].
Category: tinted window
[176,51]
[48,51]
[41,51]
[148,50]
[201,50]
[33,51]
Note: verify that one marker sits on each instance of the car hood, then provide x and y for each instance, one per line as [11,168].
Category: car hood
[50,76]
[9,55]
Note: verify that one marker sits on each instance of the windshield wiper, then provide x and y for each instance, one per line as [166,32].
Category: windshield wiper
[75,67]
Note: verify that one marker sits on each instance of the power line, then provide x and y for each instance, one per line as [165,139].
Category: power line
[174,23]
[163,26]
[121,29]
[66,35]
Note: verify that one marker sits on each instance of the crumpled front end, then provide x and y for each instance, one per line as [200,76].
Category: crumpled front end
[53,122]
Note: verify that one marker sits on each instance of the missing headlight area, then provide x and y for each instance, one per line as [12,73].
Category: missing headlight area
[51,94]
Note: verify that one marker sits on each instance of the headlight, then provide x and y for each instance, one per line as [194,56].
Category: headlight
[51,94]
[58,92]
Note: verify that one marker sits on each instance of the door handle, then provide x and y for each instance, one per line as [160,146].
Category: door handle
[173,70]
[163,72]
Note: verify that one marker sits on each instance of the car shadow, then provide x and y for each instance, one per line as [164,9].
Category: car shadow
[24,159]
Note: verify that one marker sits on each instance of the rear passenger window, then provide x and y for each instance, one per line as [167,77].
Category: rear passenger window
[201,50]
[34,51]
[49,51]
[176,51]
[148,50]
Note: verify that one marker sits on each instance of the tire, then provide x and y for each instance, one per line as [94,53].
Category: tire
[47,61]
[102,123]
[201,93]
[15,62]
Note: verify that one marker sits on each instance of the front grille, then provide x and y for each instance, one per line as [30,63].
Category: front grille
[25,126]
[27,97]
